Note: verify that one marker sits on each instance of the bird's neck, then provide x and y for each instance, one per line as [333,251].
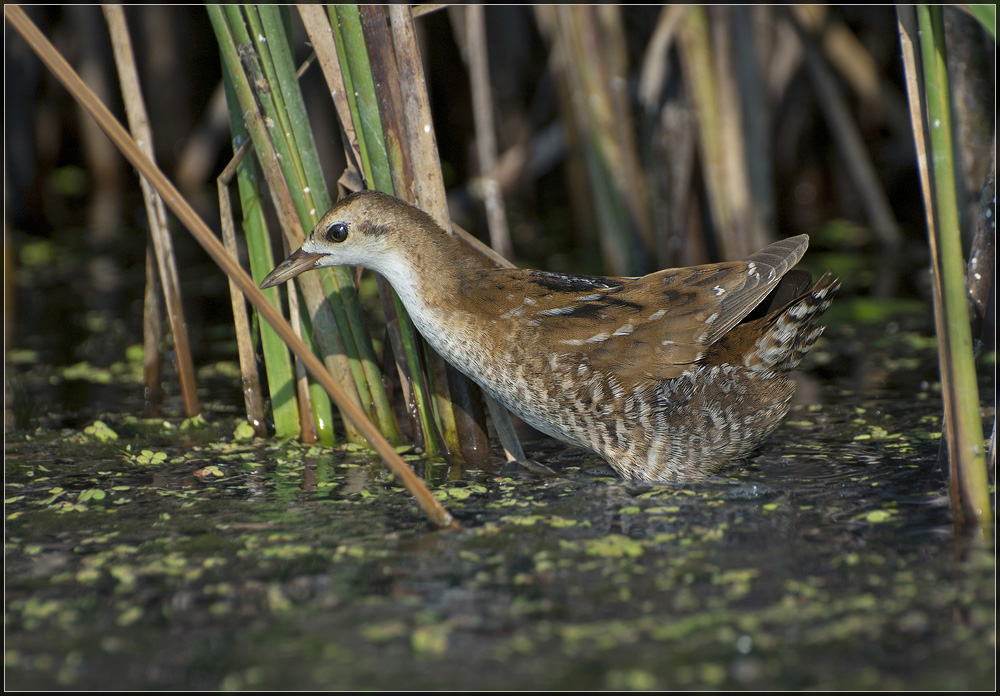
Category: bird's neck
[427,269]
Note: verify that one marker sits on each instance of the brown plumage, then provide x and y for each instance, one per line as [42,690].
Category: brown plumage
[667,376]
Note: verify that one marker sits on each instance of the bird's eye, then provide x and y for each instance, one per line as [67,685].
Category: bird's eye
[337,233]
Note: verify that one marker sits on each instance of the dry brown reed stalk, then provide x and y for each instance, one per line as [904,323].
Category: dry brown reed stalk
[486,142]
[156,214]
[429,194]
[252,395]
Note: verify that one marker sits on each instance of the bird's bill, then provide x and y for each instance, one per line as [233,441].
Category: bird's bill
[299,262]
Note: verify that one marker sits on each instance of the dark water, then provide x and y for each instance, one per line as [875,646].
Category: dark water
[179,556]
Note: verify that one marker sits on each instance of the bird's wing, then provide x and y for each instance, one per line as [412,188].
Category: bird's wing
[655,326]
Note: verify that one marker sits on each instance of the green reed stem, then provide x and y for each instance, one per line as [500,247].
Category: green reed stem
[958,376]
[277,361]
[256,52]
[377,158]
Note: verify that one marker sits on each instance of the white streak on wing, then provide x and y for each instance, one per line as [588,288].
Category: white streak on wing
[556,311]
